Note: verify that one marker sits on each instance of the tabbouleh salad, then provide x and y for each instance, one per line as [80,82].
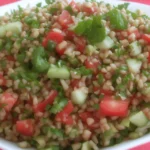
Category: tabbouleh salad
[74,76]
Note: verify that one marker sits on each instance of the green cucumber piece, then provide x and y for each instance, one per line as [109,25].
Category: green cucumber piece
[107,43]
[135,48]
[56,72]
[134,65]
[78,96]
[90,50]
[86,146]
[125,122]
[139,119]
[14,27]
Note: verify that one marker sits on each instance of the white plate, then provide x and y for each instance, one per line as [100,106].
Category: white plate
[133,6]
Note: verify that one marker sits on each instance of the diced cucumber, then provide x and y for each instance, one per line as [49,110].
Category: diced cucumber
[74,133]
[78,96]
[135,48]
[107,43]
[86,146]
[109,133]
[2,31]
[14,27]
[134,65]
[139,119]
[125,122]
[90,50]
[133,135]
[56,72]
[53,147]
[146,90]
[40,140]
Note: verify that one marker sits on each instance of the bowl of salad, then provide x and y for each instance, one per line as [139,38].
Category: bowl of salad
[74,75]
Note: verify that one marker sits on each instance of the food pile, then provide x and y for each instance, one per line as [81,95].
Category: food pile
[74,76]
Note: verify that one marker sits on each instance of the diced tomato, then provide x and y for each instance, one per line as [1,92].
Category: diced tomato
[64,115]
[149,57]
[80,43]
[92,63]
[89,9]
[85,115]
[146,37]
[75,83]
[25,127]
[106,92]
[65,19]
[56,37]
[111,107]
[136,32]
[10,58]
[40,107]
[69,34]
[74,5]
[2,80]
[8,100]
[60,51]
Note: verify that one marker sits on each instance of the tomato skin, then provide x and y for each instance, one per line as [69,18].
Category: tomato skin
[89,10]
[85,115]
[2,80]
[106,92]
[74,6]
[146,37]
[136,32]
[112,107]
[56,37]
[80,43]
[148,57]
[64,115]
[69,34]
[10,58]
[92,64]
[60,51]
[40,107]
[65,19]
[9,100]
[75,83]
[25,127]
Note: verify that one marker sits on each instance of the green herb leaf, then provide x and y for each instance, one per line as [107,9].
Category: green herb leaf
[83,71]
[58,105]
[69,9]
[39,61]
[96,106]
[92,29]
[57,132]
[117,20]
[39,4]
[125,6]
[49,1]
[51,46]
[53,10]
[100,79]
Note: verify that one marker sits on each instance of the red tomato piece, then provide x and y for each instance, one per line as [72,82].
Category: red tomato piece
[69,34]
[59,50]
[80,43]
[25,127]
[56,37]
[75,83]
[106,92]
[149,57]
[89,9]
[112,107]
[10,58]
[92,63]
[85,115]
[65,19]
[40,107]
[146,37]
[63,116]
[74,6]
[2,80]
[8,100]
